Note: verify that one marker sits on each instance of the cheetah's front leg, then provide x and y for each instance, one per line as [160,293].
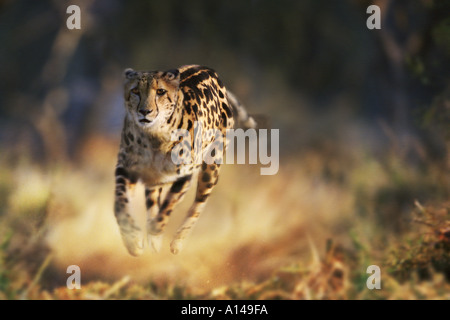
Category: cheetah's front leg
[132,235]
[158,222]
[207,179]
[152,203]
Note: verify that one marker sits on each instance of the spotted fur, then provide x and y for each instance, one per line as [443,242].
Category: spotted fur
[192,98]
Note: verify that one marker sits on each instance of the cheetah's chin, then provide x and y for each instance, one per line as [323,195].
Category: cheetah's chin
[146,124]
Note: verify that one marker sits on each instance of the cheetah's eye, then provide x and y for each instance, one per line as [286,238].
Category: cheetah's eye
[135,90]
[160,92]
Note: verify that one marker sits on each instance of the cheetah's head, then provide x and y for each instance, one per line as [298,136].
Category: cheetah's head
[151,97]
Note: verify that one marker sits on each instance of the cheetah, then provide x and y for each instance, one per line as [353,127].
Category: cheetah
[158,103]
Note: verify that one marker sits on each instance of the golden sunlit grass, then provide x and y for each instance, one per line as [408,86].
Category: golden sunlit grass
[308,232]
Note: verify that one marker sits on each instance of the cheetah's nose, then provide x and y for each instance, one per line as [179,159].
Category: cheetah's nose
[144,112]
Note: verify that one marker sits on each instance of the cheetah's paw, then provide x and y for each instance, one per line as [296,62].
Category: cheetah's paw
[176,245]
[155,242]
[134,244]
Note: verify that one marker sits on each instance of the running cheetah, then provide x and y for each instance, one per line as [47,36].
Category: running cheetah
[190,99]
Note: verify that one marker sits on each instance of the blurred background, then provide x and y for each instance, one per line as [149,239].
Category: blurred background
[364,119]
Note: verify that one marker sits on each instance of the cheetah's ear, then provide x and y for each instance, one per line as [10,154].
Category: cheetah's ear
[129,73]
[173,76]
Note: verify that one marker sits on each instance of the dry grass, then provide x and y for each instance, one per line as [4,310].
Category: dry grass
[308,232]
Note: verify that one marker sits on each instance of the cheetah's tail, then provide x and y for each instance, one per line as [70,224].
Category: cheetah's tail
[242,118]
